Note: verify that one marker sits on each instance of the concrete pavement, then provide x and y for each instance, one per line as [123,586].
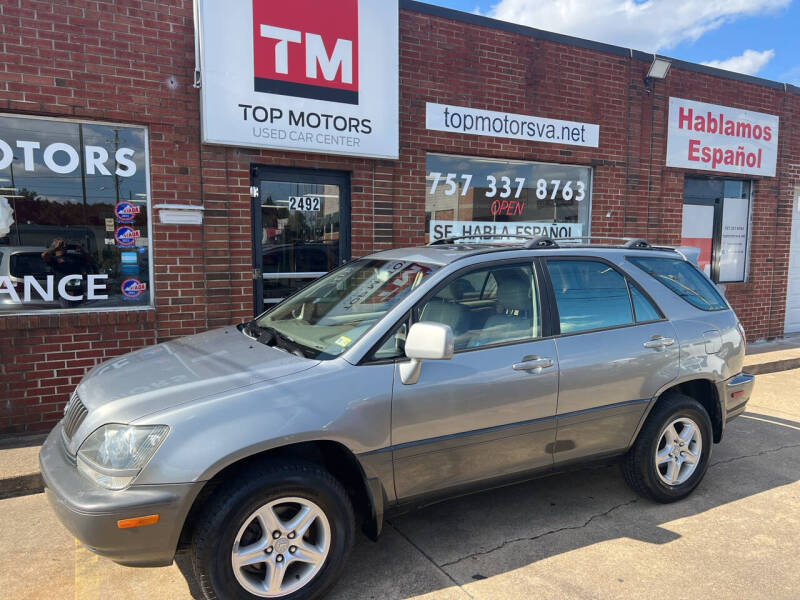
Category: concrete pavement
[575,535]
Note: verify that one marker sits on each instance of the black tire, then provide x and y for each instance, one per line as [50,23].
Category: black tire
[225,512]
[639,466]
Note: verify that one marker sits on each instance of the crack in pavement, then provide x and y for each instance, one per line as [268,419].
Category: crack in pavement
[428,558]
[595,516]
[760,453]
[541,535]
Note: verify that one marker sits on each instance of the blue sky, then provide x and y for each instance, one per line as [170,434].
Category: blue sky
[757,37]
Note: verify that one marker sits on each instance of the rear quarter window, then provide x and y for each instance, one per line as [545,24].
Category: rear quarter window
[29,263]
[683,279]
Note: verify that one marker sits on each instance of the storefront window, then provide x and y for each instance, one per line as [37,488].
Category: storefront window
[74,215]
[716,219]
[479,197]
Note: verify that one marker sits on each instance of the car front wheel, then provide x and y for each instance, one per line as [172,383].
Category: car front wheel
[672,452]
[283,531]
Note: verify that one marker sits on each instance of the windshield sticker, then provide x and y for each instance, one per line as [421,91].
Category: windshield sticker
[343,341]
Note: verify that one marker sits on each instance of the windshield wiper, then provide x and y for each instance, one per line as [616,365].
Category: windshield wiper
[269,336]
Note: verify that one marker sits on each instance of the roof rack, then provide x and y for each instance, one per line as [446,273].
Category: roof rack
[453,239]
[541,241]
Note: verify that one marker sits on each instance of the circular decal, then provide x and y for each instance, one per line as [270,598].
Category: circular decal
[126,211]
[132,288]
[126,236]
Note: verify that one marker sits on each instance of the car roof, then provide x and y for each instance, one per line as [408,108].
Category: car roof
[444,254]
[15,249]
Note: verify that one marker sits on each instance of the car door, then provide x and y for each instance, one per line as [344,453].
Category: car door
[616,351]
[489,411]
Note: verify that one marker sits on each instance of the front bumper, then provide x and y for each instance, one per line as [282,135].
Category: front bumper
[91,512]
[734,394]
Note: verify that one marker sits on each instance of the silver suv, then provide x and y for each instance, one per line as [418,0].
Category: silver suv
[399,378]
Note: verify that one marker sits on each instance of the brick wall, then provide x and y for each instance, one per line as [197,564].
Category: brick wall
[132,62]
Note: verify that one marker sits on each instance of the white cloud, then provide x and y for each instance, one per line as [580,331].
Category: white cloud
[651,25]
[749,62]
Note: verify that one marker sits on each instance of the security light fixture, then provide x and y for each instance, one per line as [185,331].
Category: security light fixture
[658,69]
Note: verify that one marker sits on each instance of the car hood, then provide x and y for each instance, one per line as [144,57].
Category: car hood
[182,370]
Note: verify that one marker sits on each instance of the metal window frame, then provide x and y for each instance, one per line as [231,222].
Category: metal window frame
[718,203]
[260,172]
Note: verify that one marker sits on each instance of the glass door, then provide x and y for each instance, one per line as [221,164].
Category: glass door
[301,229]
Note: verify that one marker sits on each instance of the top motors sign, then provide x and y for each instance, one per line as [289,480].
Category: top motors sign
[305,75]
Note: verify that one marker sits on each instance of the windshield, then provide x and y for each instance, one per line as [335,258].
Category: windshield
[330,315]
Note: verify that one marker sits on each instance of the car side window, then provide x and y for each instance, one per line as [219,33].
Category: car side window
[642,307]
[590,294]
[395,344]
[491,305]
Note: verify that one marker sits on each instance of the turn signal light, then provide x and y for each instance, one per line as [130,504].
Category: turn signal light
[737,394]
[137,522]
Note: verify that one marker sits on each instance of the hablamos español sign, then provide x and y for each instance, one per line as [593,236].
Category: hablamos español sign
[711,137]
[303,75]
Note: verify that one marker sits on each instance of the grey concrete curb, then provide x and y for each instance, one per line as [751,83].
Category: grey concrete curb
[772,367]
[31,483]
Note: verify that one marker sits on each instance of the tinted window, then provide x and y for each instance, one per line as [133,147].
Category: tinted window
[589,295]
[683,279]
[487,306]
[642,307]
[28,263]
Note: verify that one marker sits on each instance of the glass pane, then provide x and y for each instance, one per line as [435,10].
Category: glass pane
[589,295]
[470,196]
[642,307]
[734,239]
[698,232]
[332,313]
[735,188]
[683,279]
[299,234]
[702,188]
[76,197]
[509,313]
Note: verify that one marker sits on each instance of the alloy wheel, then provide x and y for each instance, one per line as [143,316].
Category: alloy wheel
[281,547]
[678,453]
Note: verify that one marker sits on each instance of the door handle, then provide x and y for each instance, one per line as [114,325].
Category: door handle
[533,363]
[658,342]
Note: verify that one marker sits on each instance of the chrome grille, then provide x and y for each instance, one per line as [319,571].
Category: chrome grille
[74,415]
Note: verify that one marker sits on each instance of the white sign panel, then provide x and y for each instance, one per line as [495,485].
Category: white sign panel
[507,231]
[474,121]
[302,75]
[733,246]
[710,137]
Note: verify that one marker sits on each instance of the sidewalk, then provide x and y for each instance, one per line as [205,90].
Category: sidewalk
[19,457]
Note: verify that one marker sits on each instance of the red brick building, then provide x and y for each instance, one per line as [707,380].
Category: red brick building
[121,74]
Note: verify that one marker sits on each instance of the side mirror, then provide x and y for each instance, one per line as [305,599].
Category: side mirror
[425,341]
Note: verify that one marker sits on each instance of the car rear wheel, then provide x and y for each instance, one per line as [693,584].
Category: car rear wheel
[283,531]
[672,452]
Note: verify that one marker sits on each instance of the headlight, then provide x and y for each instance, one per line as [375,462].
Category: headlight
[113,455]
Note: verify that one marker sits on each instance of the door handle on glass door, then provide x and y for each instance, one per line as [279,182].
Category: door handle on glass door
[533,363]
[658,342]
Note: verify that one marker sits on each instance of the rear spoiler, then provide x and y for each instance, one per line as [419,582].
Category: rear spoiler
[690,253]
